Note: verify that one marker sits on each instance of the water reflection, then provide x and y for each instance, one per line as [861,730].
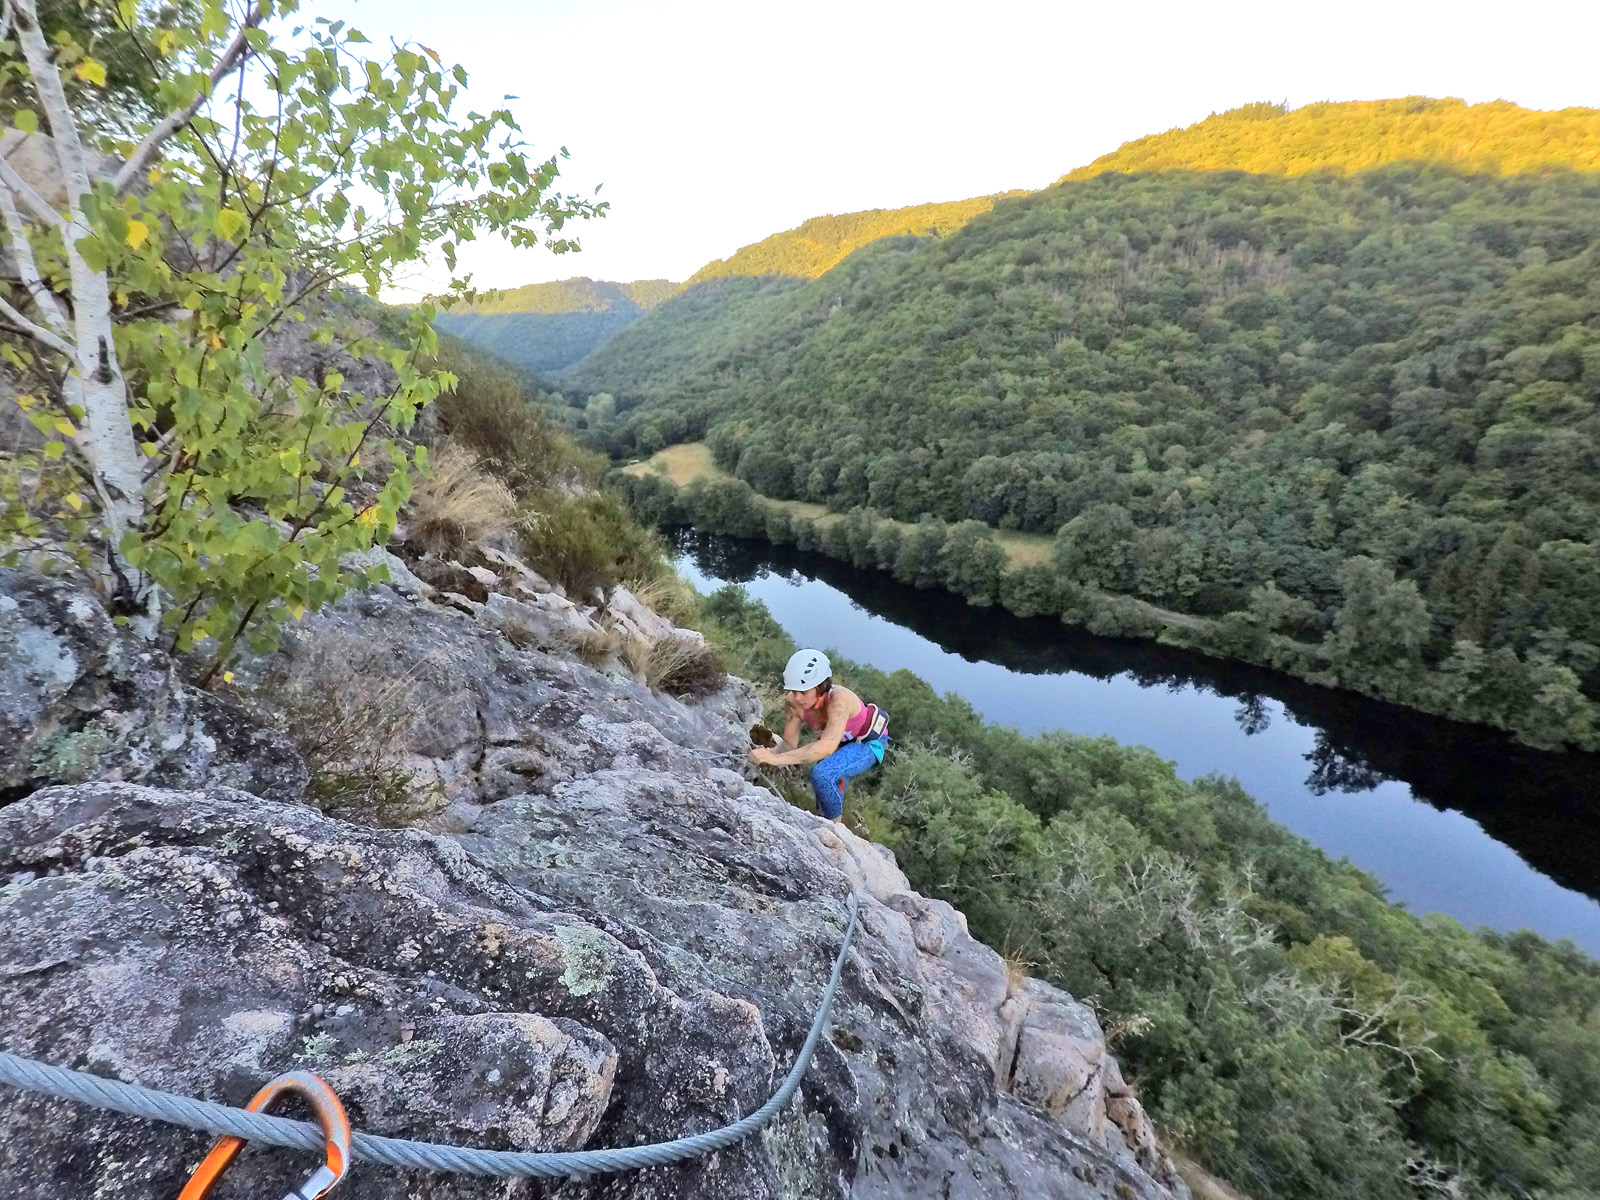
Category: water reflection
[1295,746]
[1253,716]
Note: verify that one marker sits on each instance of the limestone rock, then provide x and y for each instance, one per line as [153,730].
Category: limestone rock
[399,576]
[208,940]
[543,626]
[1060,1057]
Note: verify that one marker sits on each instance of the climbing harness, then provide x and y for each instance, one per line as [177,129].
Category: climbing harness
[330,1116]
[83,1088]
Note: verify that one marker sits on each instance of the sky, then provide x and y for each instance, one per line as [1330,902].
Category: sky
[712,124]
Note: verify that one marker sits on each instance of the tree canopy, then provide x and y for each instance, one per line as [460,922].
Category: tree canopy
[820,244]
[1494,138]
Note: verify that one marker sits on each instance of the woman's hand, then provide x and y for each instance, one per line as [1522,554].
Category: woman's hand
[763,757]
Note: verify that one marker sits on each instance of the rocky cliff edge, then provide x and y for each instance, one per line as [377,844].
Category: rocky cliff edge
[606,936]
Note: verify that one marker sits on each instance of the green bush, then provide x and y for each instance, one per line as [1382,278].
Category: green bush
[496,414]
[587,542]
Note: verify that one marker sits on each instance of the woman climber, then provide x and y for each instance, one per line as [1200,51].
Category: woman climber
[851,735]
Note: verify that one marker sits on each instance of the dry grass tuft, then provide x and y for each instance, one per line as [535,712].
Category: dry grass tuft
[684,667]
[634,652]
[346,728]
[679,665]
[596,645]
[669,595]
[457,505]
[1019,969]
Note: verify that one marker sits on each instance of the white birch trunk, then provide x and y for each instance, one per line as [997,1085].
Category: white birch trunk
[96,384]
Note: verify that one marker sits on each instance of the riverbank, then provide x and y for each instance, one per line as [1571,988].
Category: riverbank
[1448,818]
[1539,704]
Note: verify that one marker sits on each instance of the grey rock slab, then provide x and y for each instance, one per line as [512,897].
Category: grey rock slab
[81,699]
[200,942]
[612,939]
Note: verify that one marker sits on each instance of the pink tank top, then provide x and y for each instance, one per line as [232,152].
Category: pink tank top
[853,728]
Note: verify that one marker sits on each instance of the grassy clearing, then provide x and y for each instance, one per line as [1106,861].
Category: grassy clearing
[688,461]
[683,464]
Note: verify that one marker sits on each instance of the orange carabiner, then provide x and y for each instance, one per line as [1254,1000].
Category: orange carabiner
[330,1115]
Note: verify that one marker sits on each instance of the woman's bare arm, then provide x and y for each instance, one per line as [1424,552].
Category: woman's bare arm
[841,703]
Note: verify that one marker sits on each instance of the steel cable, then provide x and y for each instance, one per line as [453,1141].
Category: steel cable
[209,1117]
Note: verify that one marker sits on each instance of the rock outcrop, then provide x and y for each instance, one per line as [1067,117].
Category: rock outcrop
[81,699]
[608,936]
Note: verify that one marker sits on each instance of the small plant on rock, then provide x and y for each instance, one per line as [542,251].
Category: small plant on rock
[347,727]
[684,666]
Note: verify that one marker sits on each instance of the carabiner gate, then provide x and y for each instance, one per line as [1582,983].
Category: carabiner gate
[330,1115]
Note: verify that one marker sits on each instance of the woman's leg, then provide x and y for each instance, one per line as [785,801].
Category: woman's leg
[828,776]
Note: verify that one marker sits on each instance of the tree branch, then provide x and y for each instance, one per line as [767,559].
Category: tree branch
[22,250]
[37,332]
[95,385]
[36,203]
[158,137]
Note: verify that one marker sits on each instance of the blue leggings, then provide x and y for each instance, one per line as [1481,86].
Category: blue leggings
[828,776]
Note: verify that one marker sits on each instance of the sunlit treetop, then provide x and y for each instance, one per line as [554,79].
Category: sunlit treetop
[820,244]
[1498,138]
[572,295]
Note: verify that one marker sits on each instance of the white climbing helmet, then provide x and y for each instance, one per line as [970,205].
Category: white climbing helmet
[805,669]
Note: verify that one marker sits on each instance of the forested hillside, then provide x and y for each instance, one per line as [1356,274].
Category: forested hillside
[1353,414]
[1494,138]
[579,294]
[547,326]
[823,242]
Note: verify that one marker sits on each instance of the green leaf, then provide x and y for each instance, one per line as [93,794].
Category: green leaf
[26,120]
[92,252]
[231,224]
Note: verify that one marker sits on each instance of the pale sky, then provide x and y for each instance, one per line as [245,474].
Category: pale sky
[713,123]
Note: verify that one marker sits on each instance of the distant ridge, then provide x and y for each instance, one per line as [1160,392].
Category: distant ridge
[543,327]
[820,244]
[1497,138]
[580,294]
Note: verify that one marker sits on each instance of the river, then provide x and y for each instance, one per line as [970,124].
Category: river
[1449,818]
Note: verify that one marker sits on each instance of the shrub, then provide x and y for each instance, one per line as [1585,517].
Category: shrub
[587,542]
[457,504]
[497,415]
[347,727]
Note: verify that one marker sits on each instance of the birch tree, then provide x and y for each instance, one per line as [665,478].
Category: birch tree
[207,486]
